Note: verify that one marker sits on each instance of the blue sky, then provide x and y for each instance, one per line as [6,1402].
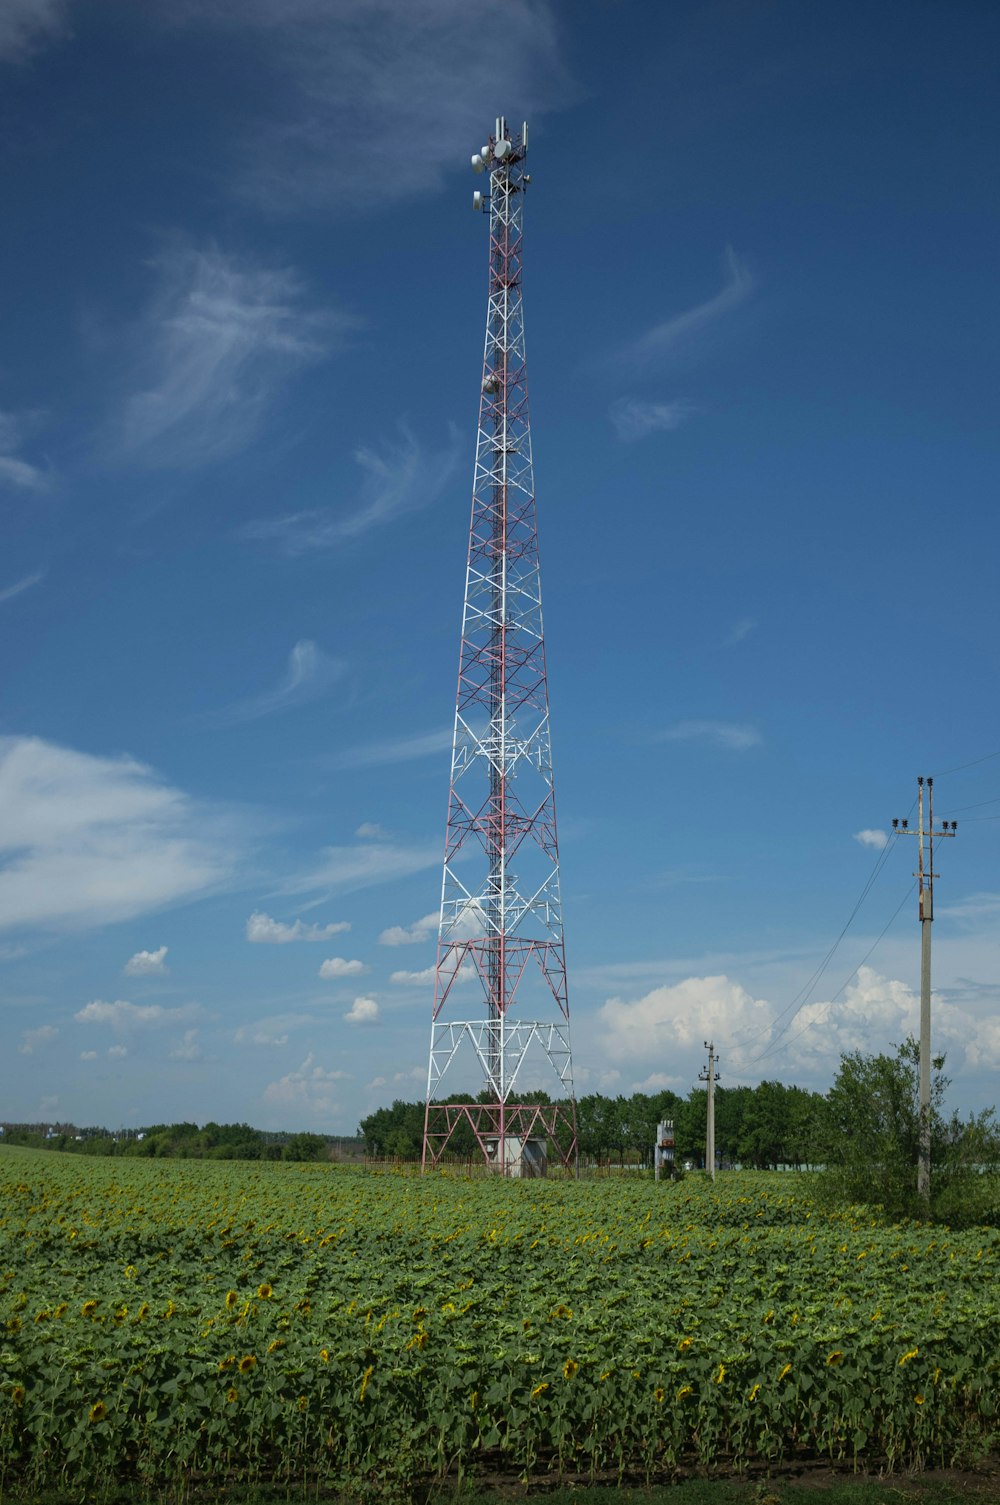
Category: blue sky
[243,302]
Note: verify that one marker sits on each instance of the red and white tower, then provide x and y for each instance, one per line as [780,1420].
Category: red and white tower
[501,925]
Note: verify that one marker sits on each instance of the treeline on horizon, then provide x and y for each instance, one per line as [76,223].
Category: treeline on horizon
[182,1141]
[762,1127]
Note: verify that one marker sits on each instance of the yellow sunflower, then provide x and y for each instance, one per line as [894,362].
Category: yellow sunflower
[247,1363]
[570,1368]
[98,1411]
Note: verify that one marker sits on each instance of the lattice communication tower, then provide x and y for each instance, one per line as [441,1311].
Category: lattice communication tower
[501,927]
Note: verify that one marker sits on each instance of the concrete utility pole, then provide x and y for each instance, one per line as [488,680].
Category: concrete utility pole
[925,875]
[711,1076]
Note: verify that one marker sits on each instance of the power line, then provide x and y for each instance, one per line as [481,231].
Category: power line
[802,996]
[973,764]
[977,806]
[832,1000]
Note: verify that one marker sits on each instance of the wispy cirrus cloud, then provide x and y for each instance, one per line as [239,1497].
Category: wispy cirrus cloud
[739,630]
[34,1039]
[309,674]
[19,586]
[634,419]
[355,89]
[392,750]
[400,477]
[16,472]
[735,735]
[312,1090]
[187,1049]
[682,331]
[262,930]
[26,24]
[348,869]
[272,1030]
[220,337]
[87,840]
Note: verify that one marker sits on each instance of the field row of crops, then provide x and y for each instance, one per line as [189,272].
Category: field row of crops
[169,1322]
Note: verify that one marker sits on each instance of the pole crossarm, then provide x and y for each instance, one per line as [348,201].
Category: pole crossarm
[925,875]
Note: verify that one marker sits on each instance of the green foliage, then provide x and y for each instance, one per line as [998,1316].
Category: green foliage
[180,1141]
[872,1142]
[324,1330]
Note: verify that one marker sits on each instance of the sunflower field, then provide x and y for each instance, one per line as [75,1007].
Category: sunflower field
[176,1325]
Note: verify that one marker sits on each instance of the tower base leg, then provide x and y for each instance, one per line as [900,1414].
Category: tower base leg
[512,1139]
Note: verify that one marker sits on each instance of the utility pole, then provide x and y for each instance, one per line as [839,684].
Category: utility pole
[925,875]
[711,1076]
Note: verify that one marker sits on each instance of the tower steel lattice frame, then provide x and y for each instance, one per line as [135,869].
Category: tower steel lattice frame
[501,919]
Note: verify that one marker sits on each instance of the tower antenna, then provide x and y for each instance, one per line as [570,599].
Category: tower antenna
[501,927]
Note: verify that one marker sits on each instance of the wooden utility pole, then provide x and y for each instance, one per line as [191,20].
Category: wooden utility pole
[711,1076]
[925,875]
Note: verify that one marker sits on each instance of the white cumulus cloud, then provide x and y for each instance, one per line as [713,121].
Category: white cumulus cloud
[427,975]
[147,964]
[117,1052]
[872,838]
[362,1011]
[339,966]
[408,935]
[122,1015]
[263,931]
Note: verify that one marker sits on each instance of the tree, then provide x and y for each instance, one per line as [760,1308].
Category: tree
[872,1139]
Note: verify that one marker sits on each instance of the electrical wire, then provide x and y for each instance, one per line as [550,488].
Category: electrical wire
[821,1018]
[831,1001]
[977,806]
[974,763]
[802,996]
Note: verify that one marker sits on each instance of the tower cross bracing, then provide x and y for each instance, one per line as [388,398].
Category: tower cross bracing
[501,923]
